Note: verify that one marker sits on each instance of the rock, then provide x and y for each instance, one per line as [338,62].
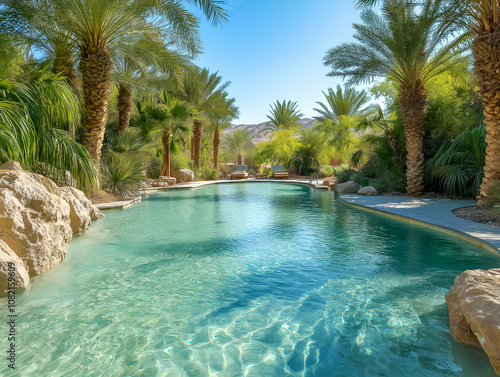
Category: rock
[183,175]
[11,165]
[368,191]
[82,211]
[34,219]
[168,180]
[474,311]
[11,263]
[349,187]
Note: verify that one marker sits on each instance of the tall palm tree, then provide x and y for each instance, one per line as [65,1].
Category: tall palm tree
[482,20]
[177,114]
[202,90]
[238,143]
[409,45]
[284,115]
[143,62]
[94,25]
[220,117]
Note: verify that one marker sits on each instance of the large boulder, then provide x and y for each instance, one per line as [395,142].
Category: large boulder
[11,266]
[82,211]
[34,219]
[349,187]
[368,191]
[183,175]
[474,311]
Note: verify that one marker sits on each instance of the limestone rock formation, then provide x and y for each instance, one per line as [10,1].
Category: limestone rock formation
[37,222]
[82,211]
[11,165]
[34,219]
[11,264]
[349,187]
[183,175]
[474,311]
[368,191]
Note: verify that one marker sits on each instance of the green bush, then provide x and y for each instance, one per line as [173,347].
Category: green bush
[304,163]
[344,175]
[326,171]
[206,174]
[457,166]
[121,174]
[154,167]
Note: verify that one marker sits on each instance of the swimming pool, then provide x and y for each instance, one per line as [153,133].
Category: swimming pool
[253,279]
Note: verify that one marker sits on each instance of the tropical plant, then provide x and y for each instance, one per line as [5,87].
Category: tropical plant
[409,44]
[121,174]
[458,164]
[280,149]
[220,116]
[238,143]
[35,120]
[202,90]
[284,116]
[94,25]
[343,102]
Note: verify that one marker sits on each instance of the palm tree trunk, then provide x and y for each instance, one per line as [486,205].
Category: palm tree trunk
[240,159]
[193,142]
[165,140]
[125,105]
[197,136]
[96,68]
[413,105]
[216,147]
[66,68]
[486,49]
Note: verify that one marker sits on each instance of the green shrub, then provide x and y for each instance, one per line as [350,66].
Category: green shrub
[326,171]
[206,174]
[344,175]
[179,161]
[121,174]
[154,167]
[304,163]
[458,164]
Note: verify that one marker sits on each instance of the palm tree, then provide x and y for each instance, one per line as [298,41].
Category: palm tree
[34,123]
[202,90]
[238,143]
[220,116]
[144,62]
[409,45]
[94,25]
[284,115]
[347,102]
[177,114]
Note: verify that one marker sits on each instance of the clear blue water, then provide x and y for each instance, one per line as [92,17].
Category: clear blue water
[248,280]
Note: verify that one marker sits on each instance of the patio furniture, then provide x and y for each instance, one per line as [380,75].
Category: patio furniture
[240,172]
[260,176]
[279,172]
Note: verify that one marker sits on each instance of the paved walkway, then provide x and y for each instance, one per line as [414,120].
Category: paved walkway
[435,212]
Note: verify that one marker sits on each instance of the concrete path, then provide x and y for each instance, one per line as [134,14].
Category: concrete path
[435,212]
[118,205]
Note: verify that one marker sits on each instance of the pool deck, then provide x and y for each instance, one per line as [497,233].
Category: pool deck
[433,213]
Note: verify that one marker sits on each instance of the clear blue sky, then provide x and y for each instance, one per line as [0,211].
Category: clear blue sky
[273,50]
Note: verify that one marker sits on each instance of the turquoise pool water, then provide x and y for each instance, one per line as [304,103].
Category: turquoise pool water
[249,279]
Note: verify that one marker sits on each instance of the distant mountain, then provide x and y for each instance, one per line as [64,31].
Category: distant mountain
[254,129]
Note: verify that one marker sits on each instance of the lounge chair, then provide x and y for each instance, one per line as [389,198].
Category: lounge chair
[279,172]
[240,172]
